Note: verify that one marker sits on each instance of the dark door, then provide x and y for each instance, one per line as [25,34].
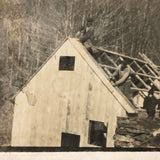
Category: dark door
[70,140]
[97,133]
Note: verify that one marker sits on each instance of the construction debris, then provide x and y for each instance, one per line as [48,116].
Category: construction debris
[135,132]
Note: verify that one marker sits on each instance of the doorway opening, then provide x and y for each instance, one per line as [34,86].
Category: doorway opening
[97,133]
[70,140]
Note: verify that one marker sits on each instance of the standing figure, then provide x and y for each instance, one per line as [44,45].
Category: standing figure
[86,34]
[121,78]
[150,103]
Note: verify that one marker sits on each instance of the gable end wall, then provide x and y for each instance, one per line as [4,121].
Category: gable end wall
[63,101]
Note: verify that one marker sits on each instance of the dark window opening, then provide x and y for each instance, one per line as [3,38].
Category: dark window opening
[66,63]
[97,133]
[70,140]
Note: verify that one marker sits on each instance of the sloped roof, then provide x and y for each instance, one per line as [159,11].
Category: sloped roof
[145,74]
[104,62]
[125,103]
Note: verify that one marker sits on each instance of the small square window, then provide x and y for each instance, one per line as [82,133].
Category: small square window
[97,133]
[66,63]
[70,140]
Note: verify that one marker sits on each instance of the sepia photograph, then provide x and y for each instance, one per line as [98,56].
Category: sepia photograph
[79,75]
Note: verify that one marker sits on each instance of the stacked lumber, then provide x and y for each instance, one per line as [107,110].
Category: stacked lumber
[135,132]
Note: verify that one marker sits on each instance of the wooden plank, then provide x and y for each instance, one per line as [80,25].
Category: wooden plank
[134,84]
[153,66]
[111,60]
[135,73]
[102,54]
[131,58]
[145,75]
[140,79]
[107,70]
[143,89]
[110,67]
[131,63]
[148,68]
[121,58]
[143,71]
[157,72]
[140,68]
[146,65]
[148,60]
[118,54]
[117,59]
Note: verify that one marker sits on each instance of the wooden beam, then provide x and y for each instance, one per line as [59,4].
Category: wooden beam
[133,85]
[143,90]
[143,71]
[135,73]
[106,70]
[109,73]
[110,67]
[131,58]
[111,60]
[145,75]
[121,58]
[131,63]
[153,66]
[156,71]
[139,78]
[147,60]
[139,89]
[117,59]
[146,65]
[140,68]
[102,54]
[122,55]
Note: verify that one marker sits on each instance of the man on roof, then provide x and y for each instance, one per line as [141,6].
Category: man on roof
[122,79]
[86,34]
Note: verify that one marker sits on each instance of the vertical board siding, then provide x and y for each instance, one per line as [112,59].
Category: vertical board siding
[63,101]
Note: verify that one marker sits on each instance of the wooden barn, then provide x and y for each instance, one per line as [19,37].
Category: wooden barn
[70,102]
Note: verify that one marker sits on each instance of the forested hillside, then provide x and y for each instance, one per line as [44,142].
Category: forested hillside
[30,30]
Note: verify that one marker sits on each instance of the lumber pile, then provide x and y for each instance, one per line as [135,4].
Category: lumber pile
[135,132]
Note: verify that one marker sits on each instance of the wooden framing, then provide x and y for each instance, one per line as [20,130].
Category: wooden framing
[153,66]
[135,73]
[144,71]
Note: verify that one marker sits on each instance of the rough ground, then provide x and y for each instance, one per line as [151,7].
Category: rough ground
[31,29]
